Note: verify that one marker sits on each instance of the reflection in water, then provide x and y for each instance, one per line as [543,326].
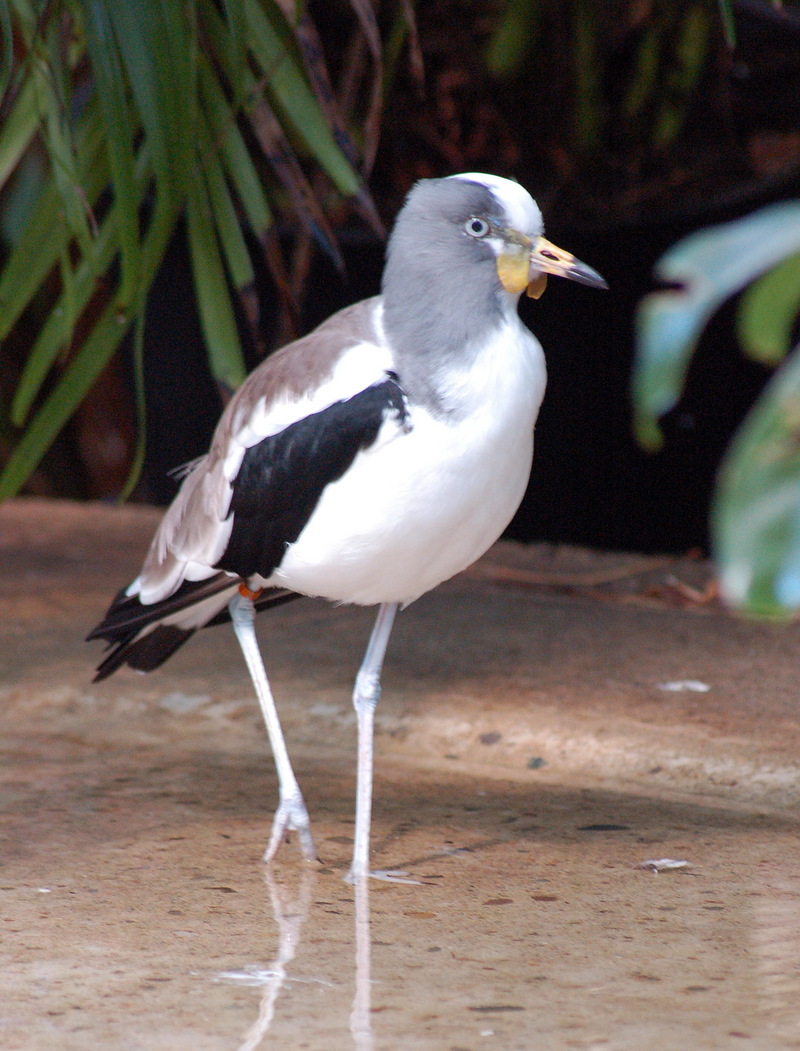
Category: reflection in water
[360,1017]
[762,973]
[291,908]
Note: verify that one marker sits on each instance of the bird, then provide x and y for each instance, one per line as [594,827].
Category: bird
[366,462]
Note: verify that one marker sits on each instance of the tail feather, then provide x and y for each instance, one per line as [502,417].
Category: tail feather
[128,612]
[143,635]
[145,652]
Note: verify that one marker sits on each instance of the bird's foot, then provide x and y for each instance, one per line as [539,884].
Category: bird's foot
[385,875]
[291,816]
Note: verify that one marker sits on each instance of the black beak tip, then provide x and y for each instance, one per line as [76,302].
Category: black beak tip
[586,276]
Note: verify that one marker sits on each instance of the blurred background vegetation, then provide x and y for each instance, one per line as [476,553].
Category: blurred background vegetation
[185,186]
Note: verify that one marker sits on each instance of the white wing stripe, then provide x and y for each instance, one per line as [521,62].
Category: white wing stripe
[358,368]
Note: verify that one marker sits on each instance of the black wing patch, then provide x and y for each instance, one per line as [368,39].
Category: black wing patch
[282,478]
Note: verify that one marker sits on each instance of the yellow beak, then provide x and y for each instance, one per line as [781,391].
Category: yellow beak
[524,265]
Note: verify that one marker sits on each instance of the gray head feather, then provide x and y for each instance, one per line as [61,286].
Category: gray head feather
[441,292]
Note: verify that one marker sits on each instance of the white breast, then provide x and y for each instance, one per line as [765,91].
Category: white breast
[418,507]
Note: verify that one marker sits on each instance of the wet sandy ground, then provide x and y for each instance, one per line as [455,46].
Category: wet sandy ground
[544,732]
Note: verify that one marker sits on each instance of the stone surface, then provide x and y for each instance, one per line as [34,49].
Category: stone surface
[551,721]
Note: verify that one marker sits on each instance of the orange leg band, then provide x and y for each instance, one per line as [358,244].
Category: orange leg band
[245,592]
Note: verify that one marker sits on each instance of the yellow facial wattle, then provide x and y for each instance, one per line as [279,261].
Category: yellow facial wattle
[513,269]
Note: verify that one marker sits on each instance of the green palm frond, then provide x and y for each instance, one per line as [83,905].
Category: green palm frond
[143,114]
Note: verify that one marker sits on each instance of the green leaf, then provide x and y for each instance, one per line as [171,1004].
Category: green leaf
[709,266]
[312,54]
[235,156]
[768,313]
[756,511]
[236,20]
[6,47]
[56,331]
[273,49]
[284,162]
[158,55]
[83,369]
[645,72]
[514,37]
[234,249]
[70,391]
[589,107]
[46,236]
[18,128]
[141,410]
[690,50]
[111,90]
[728,22]
[213,296]
[63,146]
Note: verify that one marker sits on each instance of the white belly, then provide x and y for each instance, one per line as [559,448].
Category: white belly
[414,510]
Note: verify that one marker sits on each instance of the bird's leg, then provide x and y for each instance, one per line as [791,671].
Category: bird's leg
[291,812]
[365,697]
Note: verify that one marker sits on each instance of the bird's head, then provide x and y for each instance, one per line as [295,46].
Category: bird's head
[481,225]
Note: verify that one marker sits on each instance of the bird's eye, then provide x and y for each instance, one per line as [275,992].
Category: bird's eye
[476,227]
